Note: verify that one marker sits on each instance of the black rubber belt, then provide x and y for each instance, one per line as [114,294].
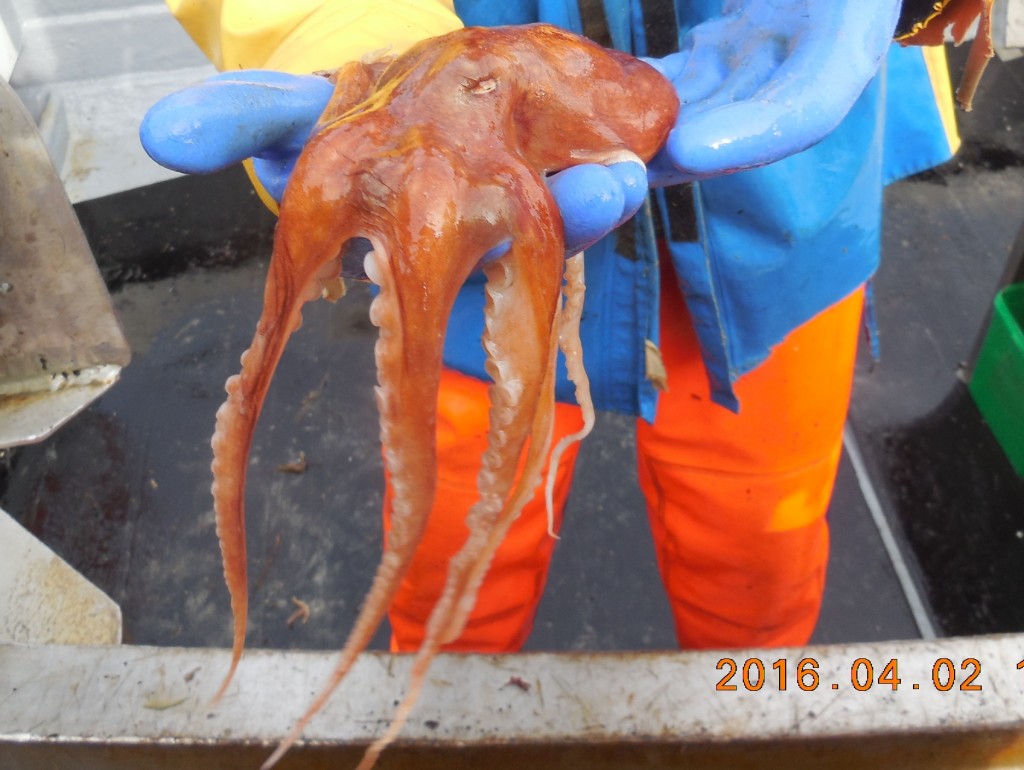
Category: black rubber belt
[681,213]
[595,22]
[662,27]
[662,32]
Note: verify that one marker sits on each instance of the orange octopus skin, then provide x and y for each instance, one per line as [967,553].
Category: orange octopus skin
[956,17]
[434,158]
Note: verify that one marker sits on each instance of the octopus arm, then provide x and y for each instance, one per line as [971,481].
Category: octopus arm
[522,321]
[572,347]
[287,289]
[411,311]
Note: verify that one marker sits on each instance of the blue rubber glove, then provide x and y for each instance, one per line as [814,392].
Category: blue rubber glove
[768,79]
[233,116]
[269,115]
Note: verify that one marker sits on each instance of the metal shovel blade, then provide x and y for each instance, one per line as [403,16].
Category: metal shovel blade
[61,345]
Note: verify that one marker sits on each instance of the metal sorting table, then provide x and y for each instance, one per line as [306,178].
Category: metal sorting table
[92,707]
[126,706]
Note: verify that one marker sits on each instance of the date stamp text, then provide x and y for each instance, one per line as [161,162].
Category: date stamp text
[755,674]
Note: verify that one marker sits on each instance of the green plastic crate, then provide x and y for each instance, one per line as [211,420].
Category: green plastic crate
[998,381]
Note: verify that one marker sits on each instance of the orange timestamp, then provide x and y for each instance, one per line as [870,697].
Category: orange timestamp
[753,674]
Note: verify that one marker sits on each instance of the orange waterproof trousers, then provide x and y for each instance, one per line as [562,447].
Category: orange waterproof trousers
[736,502]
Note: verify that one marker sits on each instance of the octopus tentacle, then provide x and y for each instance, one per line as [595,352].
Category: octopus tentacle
[411,325]
[572,347]
[521,331]
[523,303]
[288,288]
[307,256]
[407,418]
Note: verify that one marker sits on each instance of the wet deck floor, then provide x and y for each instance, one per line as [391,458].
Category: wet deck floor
[123,491]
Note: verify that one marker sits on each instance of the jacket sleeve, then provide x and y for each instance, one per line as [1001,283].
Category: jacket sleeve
[301,36]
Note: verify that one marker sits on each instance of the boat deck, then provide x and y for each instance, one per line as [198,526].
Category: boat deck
[927,518]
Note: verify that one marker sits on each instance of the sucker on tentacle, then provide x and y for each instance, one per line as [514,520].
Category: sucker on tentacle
[436,157]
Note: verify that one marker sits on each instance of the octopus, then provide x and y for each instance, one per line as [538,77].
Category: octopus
[422,168]
[956,18]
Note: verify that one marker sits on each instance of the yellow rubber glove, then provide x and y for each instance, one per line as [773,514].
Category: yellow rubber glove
[302,36]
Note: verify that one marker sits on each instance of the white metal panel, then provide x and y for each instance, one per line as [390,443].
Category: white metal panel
[1008,24]
[8,51]
[158,697]
[88,73]
[43,600]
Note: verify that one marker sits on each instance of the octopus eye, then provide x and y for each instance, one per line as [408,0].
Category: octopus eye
[483,85]
[353,252]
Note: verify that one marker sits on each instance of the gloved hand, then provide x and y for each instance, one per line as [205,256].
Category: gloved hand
[232,116]
[768,79]
[268,116]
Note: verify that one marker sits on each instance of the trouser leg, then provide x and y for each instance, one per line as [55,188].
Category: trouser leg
[507,602]
[737,502]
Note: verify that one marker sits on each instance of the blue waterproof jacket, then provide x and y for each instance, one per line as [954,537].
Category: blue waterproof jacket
[768,248]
